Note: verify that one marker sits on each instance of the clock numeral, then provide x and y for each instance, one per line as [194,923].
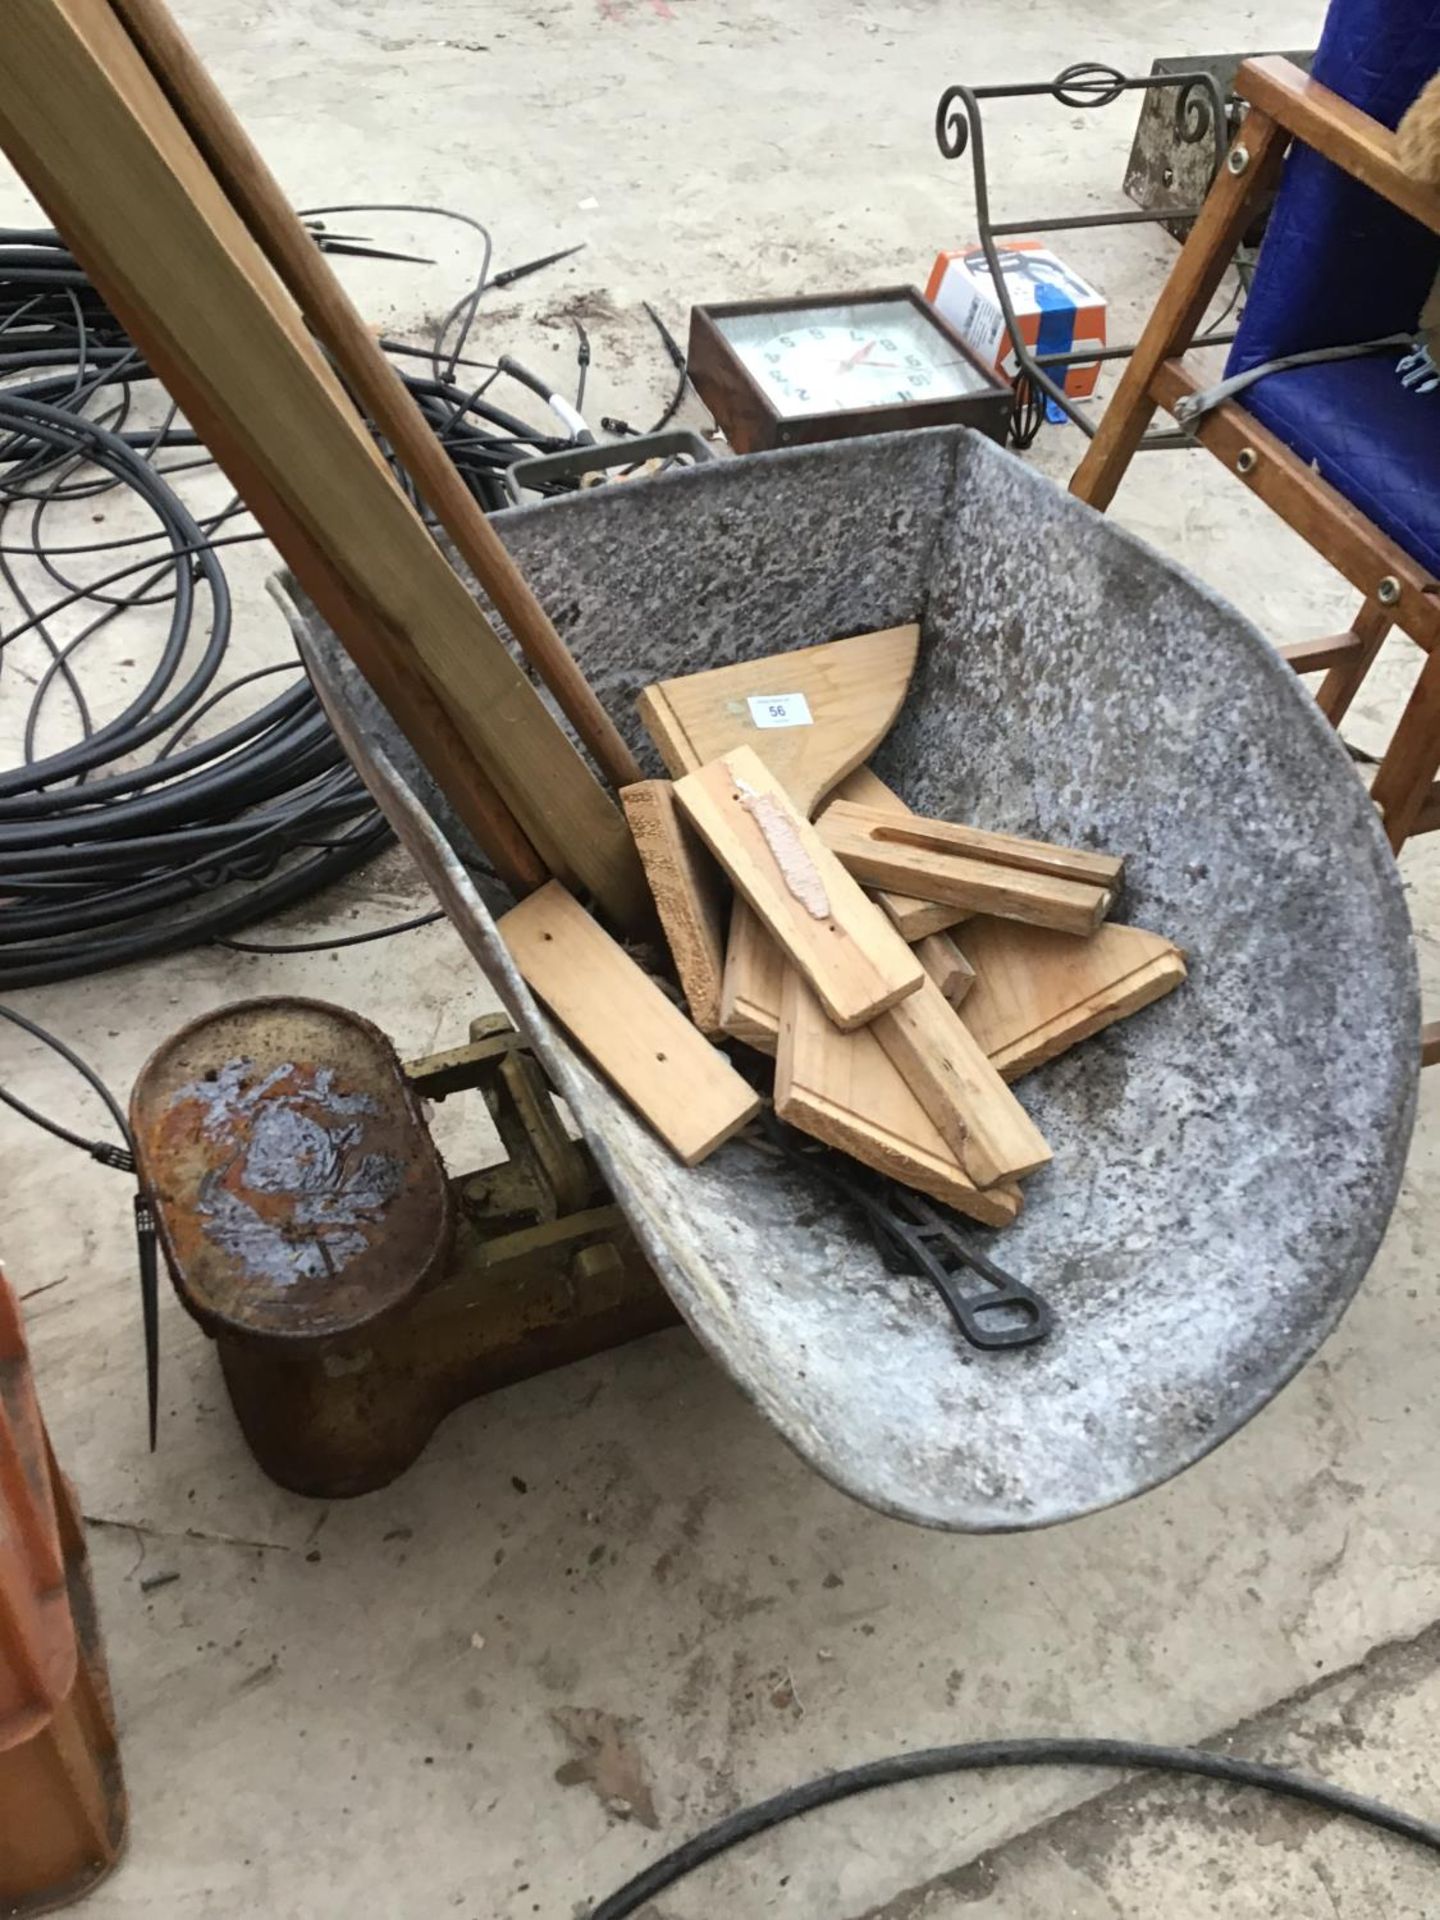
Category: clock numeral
[906,394]
[817,333]
[913,360]
[802,393]
[888,345]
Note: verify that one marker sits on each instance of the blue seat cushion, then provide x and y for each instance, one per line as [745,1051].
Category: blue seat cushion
[1374,440]
[1339,263]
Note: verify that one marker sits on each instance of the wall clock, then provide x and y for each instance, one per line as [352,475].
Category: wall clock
[787,372]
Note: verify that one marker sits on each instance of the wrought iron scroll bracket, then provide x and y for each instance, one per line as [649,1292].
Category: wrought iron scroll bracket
[1200,114]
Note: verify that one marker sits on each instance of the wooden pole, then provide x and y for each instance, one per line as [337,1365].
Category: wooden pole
[238,166]
[87,126]
[1228,210]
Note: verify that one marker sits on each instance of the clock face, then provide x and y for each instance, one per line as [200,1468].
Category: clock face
[879,353]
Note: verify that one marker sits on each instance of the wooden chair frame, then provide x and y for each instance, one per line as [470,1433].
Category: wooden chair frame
[1286,105]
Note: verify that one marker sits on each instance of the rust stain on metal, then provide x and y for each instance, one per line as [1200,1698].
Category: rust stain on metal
[296,1186]
[294,1193]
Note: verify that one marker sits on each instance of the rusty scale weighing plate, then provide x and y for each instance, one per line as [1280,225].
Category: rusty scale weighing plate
[297,1190]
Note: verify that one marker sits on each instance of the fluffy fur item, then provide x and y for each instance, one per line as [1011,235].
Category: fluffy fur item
[1418,136]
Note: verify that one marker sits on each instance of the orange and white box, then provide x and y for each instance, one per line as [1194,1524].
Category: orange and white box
[1057,311]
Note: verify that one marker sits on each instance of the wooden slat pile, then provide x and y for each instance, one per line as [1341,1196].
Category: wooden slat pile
[900,970]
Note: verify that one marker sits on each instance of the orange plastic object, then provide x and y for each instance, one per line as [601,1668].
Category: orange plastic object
[62,1799]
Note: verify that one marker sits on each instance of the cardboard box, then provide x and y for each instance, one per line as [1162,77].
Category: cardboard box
[1057,311]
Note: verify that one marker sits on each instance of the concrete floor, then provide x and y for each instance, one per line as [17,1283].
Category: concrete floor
[382,1706]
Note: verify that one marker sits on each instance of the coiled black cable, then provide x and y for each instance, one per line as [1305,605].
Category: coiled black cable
[137,836]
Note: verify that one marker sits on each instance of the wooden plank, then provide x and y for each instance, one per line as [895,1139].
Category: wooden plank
[177,265]
[694,1091]
[1316,656]
[1407,770]
[1430,1044]
[1000,849]
[253,189]
[840,941]
[842,1089]
[914,920]
[1230,206]
[690,895]
[755,972]
[1428,818]
[945,1067]
[682,1086]
[1365,149]
[515,860]
[946,966]
[1038,993]
[852,690]
[1070,906]
[1344,680]
[751,984]
[1319,513]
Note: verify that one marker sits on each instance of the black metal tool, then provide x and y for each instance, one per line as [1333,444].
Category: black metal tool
[362,250]
[359,246]
[510,275]
[149,1306]
[915,1236]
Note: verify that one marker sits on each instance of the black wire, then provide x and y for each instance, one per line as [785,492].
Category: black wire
[980,1755]
[582,365]
[1244,273]
[121,1158]
[43,1120]
[398,348]
[346,940]
[72,1059]
[677,360]
[231,686]
[128,837]
[467,305]
[124,844]
[1027,413]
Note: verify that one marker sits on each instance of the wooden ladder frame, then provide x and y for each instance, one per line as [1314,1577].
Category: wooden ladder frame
[1285,106]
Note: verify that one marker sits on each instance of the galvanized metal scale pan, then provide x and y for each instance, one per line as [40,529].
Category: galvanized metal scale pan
[1225,1162]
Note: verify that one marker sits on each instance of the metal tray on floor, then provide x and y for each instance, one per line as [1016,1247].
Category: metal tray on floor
[1225,1162]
